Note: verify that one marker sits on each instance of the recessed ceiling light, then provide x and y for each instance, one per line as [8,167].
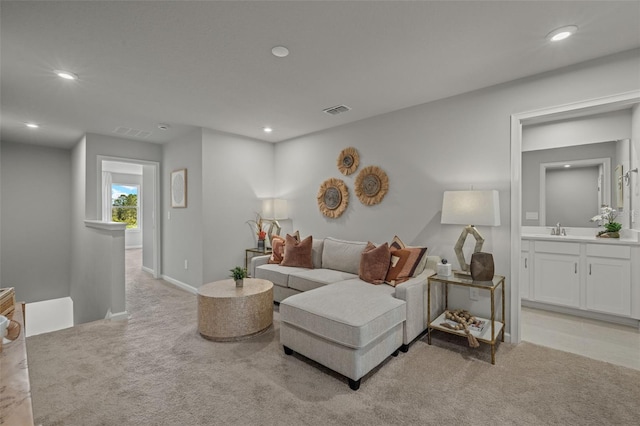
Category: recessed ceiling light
[67,75]
[280,51]
[562,33]
[31,125]
[566,166]
[163,126]
[267,129]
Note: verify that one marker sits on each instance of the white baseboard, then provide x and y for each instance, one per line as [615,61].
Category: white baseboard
[133,247]
[118,316]
[631,322]
[149,270]
[180,284]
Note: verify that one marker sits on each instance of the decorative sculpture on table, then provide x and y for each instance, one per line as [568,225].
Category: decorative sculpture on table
[333,197]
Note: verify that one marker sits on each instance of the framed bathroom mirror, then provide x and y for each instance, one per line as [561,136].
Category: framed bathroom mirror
[568,168]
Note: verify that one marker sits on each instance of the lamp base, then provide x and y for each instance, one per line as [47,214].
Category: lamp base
[469,229]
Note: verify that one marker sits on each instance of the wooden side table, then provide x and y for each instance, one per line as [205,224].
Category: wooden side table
[229,313]
[253,252]
[489,334]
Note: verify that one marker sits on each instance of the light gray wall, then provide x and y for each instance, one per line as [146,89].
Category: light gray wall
[570,196]
[133,237]
[84,306]
[237,173]
[36,226]
[182,232]
[148,220]
[531,161]
[604,127]
[87,289]
[443,145]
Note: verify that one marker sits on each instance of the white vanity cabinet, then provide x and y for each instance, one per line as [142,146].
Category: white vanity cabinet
[595,278]
[608,283]
[556,273]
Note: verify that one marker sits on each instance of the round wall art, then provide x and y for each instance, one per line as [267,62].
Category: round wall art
[348,161]
[333,197]
[372,184]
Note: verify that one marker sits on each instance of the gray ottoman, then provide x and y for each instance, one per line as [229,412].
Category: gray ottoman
[349,327]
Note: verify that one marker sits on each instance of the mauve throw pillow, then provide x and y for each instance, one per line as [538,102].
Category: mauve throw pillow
[374,263]
[298,253]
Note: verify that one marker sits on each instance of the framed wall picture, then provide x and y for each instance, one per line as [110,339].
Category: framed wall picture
[179,188]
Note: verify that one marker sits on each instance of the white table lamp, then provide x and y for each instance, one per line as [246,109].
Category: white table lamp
[470,208]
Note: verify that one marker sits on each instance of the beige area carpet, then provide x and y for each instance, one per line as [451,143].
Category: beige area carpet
[156,370]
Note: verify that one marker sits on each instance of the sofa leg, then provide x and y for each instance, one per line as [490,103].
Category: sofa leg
[354,384]
[396,352]
[404,348]
[287,351]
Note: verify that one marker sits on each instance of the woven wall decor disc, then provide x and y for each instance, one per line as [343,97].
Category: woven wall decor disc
[348,161]
[333,197]
[372,185]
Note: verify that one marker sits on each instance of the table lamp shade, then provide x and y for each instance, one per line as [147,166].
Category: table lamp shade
[471,208]
[274,208]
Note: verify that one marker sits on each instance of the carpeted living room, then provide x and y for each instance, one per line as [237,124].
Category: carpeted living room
[265,212]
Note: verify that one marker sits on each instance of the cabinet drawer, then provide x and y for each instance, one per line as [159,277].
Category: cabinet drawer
[618,252]
[557,247]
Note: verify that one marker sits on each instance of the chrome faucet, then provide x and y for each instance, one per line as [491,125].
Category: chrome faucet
[558,230]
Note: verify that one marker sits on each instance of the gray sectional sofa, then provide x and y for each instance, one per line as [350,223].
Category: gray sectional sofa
[330,315]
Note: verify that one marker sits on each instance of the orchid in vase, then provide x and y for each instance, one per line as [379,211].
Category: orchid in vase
[607,218]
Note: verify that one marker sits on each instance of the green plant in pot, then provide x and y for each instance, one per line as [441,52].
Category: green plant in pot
[607,218]
[238,274]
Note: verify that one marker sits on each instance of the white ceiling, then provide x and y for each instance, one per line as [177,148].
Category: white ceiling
[209,64]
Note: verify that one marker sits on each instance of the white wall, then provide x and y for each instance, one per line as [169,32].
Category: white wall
[182,230]
[237,172]
[448,144]
[36,226]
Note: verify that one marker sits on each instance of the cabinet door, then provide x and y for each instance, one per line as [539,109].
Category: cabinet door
[609,285]
[525,281]
[556,279]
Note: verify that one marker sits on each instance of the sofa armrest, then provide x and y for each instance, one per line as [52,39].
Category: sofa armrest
[257,261]
[432,262]
[414,293]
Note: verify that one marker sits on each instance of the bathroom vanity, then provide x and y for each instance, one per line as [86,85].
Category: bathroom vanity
[582,274]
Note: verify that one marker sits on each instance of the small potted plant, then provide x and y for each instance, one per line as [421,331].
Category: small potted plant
[607,219]
[238,274]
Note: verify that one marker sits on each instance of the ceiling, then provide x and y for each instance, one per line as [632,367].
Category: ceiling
[209,64]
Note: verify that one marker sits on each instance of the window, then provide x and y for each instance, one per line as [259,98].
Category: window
[124,204]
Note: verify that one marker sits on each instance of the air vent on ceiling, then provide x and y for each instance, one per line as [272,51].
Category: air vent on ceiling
[134,133]
[338,109]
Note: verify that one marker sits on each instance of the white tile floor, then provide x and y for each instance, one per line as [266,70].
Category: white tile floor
[616,344]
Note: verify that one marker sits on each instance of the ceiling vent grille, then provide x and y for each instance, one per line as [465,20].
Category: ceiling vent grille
[338,109]
[134,133]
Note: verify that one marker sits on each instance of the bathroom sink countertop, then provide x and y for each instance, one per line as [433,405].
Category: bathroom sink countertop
[580,239]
